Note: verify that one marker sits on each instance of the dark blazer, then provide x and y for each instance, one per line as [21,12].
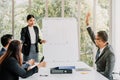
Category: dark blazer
[11,70]
[2,51]
[25,65]
[25,37]
[105,62]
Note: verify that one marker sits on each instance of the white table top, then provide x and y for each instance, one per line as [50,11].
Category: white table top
[90,74]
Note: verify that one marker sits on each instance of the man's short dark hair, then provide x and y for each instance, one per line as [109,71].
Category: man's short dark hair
[103,35]
[5,39]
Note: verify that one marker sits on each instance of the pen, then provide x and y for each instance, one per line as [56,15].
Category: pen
[44,75]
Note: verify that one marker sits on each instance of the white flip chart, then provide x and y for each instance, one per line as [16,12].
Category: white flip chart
[61,35]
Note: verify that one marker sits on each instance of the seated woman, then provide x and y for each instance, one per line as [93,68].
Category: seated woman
[11,63]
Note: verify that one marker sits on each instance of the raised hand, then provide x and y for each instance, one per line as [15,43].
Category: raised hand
[87,18]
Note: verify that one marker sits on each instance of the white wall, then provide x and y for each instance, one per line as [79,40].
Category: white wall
[116,32]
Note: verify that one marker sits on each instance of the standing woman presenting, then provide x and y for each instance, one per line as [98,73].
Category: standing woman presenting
[30,39]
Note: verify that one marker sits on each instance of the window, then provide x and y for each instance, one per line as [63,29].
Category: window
[71,8]
[5,17]
[38,10]
[54,8]
[103,15]
[86,45]
[20,14]
[99,9]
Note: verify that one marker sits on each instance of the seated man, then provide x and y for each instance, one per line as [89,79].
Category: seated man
[105,58]
[5,40]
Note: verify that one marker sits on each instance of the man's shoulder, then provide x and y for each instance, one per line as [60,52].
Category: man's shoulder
[109,50]
[2,51]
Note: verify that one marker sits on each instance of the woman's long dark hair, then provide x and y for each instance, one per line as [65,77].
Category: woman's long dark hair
[14,50]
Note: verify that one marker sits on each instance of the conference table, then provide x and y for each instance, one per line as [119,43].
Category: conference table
[81,72]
